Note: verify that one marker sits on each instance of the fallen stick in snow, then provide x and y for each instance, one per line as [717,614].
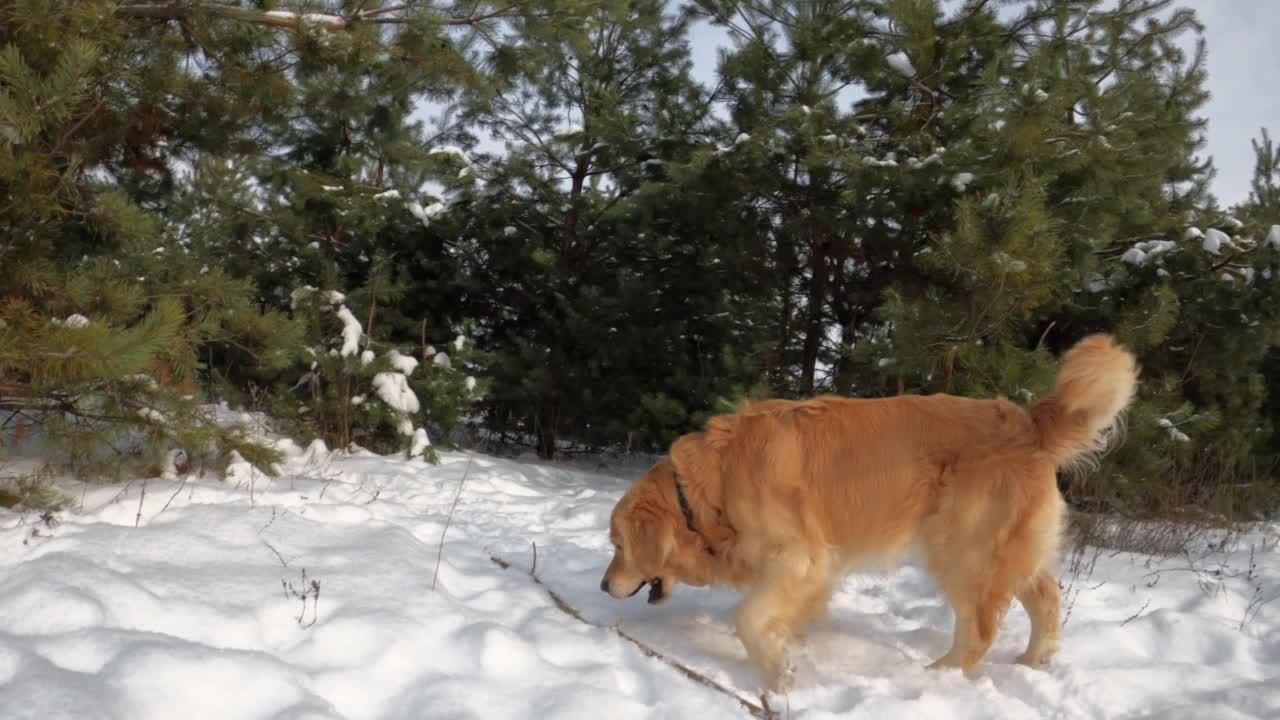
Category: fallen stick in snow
[762,711]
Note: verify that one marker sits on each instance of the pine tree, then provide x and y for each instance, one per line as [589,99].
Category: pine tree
[785,80]
[1263,205]
[1261,214]
[590,105]
[334,194]
[95,298]
[125,253]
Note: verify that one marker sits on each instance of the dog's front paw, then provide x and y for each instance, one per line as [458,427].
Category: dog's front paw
[945,662]
[779,665]
[1034,660]
[785,677]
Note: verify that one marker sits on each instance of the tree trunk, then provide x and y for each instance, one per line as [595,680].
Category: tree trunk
[844,364]
[813,325]
[777,366]
[548,419]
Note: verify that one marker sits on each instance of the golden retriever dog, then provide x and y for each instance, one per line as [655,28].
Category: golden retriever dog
[783,498]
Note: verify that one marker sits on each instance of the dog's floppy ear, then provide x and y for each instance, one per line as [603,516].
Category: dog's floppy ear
[653,539]
[698,464]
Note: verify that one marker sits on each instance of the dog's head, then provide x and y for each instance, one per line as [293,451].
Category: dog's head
[651,545]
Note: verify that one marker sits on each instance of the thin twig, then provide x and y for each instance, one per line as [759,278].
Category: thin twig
[1135,615]
[174,495]
[269,522]
[447,521]
[315,604]
[283,562]
[757,711]
[137,519]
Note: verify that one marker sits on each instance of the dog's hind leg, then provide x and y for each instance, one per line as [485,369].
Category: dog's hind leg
[978,608]
[1041,599]
[793,585]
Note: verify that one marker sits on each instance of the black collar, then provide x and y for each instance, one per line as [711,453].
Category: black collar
[688,514]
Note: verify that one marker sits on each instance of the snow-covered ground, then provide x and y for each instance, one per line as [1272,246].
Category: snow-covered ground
[203,611]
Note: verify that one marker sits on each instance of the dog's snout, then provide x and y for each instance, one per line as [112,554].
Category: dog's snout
[604,584]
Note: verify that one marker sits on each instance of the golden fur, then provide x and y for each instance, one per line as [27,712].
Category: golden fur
[787,496]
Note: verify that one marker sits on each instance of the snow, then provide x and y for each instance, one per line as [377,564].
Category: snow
[454,152]
[393,389]
[204,608]
[173,461]
[901,64]
[1273,237]
[1098,284]
[960,181]
[351,332]
[425,215]
[209,606]
[1214,240]
[739,140]
[1156,247]
[441,359]
[297,295]
[569,132]
[420,443]
[889,161]
[391,194]
[329,22]
[366,357]
[405,427]
[1134,256]
[509,231]
[1194,233]
[75,320]
[1174,433]
[470,383]
[459,342]
[917,164]
[1004,260]
[404,364]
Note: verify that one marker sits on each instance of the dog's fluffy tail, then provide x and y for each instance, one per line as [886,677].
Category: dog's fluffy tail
[1096,383]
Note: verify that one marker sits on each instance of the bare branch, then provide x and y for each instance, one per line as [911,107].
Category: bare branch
[762,710]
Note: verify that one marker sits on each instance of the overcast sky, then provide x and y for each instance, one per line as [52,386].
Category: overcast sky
[1244,82]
